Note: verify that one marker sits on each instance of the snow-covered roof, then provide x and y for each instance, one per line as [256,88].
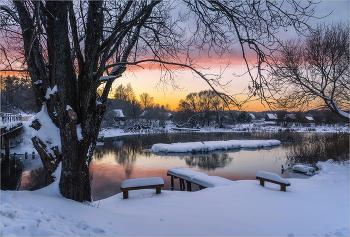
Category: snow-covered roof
[252,115]
[272,116]
[119,113]
[144,113]
[309,118]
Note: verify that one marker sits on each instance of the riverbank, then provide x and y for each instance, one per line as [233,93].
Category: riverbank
[315,206]
[261,127]
[254,127]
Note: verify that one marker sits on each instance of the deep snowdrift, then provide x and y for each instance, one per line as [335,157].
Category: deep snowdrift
[315,206]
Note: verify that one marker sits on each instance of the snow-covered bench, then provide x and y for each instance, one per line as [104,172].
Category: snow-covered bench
[203,180]
[143,183]
[272,178]
[211,181]
[183,174]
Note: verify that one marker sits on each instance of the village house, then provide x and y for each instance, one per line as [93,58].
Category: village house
[271,117]
[308,119]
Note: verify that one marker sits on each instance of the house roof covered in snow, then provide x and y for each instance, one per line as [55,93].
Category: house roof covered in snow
[168,114]
[252,115]
[272,116]
[119,113]
[309,118]
[144,113]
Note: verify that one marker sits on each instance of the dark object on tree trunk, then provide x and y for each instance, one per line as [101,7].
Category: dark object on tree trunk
[72,115]
[35,124]
[49,161]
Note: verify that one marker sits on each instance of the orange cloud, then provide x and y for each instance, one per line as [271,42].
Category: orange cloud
[199,60]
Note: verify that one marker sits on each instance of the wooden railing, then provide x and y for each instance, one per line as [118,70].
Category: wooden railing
[9,118]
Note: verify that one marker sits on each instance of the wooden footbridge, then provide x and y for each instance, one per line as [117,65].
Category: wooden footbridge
[11,128]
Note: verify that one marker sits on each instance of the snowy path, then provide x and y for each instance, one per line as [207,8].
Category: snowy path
[315,206]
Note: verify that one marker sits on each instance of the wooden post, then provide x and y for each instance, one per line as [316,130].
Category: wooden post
[158,190]
[125,194]
[180,180]
[172,183]
[26,155]
[283,188]
[14,159]
[33,155]
[189,188]
[262,182]
[7,148]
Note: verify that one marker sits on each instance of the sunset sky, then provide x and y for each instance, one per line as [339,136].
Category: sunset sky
[145,80]
[148,80]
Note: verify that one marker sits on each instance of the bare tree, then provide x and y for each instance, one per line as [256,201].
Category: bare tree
[146,100]
[205,104]
[314,72]
[71,49]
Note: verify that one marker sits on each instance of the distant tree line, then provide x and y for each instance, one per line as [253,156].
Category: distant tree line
[17,95]
[206,105]
[133,106]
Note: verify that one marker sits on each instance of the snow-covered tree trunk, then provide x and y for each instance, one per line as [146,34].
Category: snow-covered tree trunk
[68,101]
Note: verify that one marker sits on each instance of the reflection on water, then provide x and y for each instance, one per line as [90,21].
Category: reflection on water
[35,179]
[11,171]
[126,157]
[210,162]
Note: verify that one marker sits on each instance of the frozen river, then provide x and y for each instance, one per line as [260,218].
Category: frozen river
[127,157]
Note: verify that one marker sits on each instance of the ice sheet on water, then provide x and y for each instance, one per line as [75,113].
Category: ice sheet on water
[206,146]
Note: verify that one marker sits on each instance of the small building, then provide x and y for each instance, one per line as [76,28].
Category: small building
[119,115]
[271,117]
[144,114]
[252,116]
[169,116]
[308,119]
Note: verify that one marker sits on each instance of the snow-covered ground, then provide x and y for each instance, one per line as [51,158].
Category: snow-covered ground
[292,127]
[316,206]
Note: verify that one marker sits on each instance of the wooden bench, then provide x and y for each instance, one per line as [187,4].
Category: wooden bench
[272,178]
[184,174]
[201,179]
[143,183]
